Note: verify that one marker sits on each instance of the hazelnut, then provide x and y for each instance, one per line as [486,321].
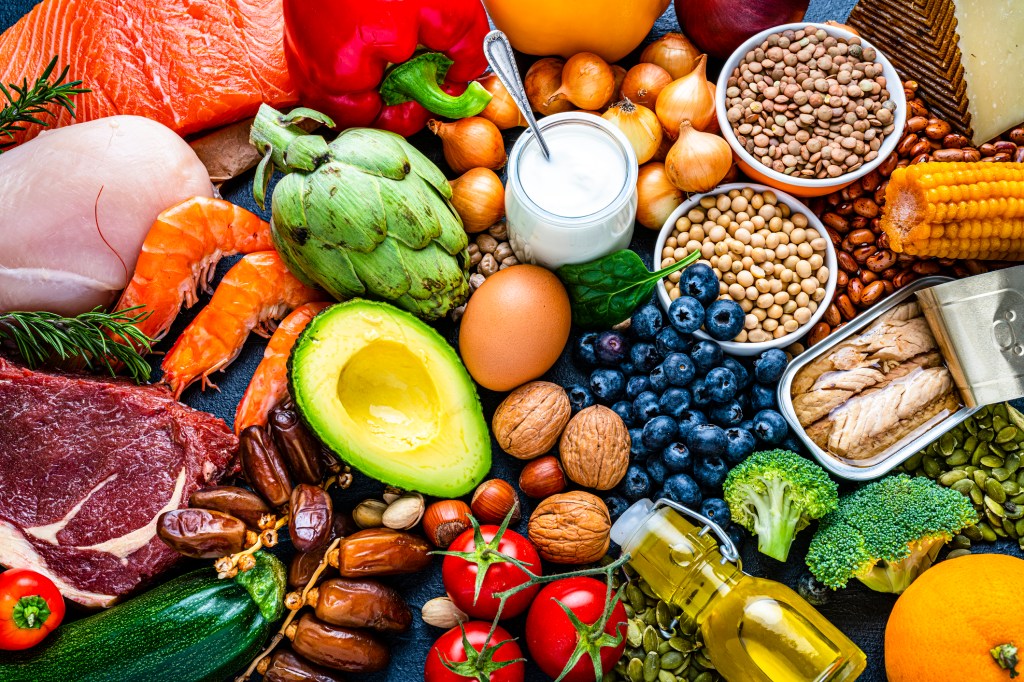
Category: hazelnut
[529,420]
[570,528]
[446,520]
[542,477]
[595,448]
[493,500]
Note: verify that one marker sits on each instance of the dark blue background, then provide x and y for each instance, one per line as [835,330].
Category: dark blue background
[858,611]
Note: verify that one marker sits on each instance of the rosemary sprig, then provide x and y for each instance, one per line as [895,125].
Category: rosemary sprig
[100,339]
[27,105]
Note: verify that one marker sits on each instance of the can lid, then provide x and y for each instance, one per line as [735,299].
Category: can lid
[979,325]
[631,519]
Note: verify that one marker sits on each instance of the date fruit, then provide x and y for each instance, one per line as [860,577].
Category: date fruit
[285,666]
[263,466]
[380,551]
[338,648]
[238,502]
[201,533]
[360,604]
[304,564]
[309,524]
[296,444]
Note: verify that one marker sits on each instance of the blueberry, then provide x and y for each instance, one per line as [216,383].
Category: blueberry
[669,340]
[683,490]
[761,398]
[646,321]
[792,444]
[584,353]
[701,393]
[656,471]
[679,369]
[644,357]
[677,458]
[659,432]
[747,425]
[624,409]
[674,400]
[739,443]
[770,427]
[723,319]
[607,385]
[686,314]
[743,400]
[738,370]
[699,281]
[768,368]
[636,484]
[721,383]
[580,397]
[737,533]
[616,506]
[717,510]
[706,355]
[808,587]
[706,440]
[628,368]
[637,385]
[659,382]
[645,407]
[658,494]
[637,451]
[688,420]
[611,348]
[710,472]
[728,413]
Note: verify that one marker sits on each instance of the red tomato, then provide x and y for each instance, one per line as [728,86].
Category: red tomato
[460,572]
[552,638]
[450,648]
[31,607]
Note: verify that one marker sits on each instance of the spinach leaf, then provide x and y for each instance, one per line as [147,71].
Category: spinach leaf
[606,291]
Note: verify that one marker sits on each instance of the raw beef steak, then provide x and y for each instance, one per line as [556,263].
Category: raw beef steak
[86,467]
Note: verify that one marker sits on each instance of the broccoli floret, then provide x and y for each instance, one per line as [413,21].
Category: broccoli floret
[774,494]
[887,533]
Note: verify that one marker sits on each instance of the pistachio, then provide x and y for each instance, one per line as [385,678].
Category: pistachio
[405,512]
[369,514]
[441,612]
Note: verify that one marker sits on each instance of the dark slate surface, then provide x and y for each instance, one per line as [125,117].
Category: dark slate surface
[858,611]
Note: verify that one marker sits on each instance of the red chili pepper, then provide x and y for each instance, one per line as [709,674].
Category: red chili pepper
[388,64]
[31,607]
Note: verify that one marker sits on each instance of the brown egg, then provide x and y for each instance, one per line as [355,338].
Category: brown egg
[515,327]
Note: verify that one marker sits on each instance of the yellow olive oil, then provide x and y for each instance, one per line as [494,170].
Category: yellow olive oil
[755,630]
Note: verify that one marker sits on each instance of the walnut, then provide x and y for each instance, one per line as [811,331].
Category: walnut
[529,421]
[595,448]
[570,528]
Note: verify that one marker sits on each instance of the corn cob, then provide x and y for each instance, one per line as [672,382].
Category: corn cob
[956,210]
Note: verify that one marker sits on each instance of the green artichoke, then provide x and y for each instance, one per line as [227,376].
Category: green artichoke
[366,215]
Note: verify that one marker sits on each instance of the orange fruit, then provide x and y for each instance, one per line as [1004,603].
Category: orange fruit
[944,626]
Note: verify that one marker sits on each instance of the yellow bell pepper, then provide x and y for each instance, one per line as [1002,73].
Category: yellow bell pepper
[610,28]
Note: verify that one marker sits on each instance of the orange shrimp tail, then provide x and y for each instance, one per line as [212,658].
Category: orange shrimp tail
[269,383]
[256,291]
[181,249]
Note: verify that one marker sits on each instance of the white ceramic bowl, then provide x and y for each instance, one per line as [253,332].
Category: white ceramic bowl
[751,348]
[808,187]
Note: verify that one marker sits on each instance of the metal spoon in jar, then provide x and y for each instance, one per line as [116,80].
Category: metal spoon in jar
[499,55]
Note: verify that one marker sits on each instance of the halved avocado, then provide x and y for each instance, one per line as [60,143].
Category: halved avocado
[390,397]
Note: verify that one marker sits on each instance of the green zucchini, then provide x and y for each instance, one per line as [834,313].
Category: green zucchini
[195,628]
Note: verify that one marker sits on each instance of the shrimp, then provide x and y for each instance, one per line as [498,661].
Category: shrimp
[255,292]
[269,383]
[181,252]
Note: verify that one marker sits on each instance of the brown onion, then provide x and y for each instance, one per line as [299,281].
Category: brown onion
[639,124]
[656,196]
[712,126]
[687,99]
[697,161]
[620,76]
[543,79]
[644,82]
[479,198]
[501,110]
[587,81]
[472,142]
[673,52]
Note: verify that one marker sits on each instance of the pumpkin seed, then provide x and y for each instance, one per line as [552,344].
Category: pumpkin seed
[995,491]
[980,451]
[964,486]
[958,553]
[980,476]
[652,666]
[950,477]
[1013,511]
[1019,528]
[958,457]
[635,670]
[995,507]
[972,426]
[973,533]
[702,661]
[946,444]
[679,644]
[987,532]
[664,615]
[992,461]
[634,634]
[666,676]
[636,597]
[1011,488]
[704,677]
[930,466]
[914,461]
[1009,529]
[1000,474]
[671,660]
[651,639]
[960,542]
[977,497]
[1006,434]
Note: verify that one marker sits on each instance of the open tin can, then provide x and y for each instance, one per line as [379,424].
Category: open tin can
[901,375]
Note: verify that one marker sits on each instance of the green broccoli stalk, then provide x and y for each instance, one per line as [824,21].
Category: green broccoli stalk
[775,494]
[887,533]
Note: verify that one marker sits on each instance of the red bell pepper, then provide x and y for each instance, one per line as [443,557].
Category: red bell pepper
[31,607]
[389,64]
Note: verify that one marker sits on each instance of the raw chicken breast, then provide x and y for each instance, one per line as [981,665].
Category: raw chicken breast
[76,204]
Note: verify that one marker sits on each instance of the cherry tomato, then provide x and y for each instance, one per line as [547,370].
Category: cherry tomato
[31,607]
[450,648]
[552,638]
[479,554]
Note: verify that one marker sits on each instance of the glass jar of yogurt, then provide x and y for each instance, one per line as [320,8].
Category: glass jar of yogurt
[578,205]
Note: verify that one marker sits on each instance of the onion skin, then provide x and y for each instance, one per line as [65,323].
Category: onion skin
[479,198]
[673,52]
[644,82]
[542,81]
[718,27]
[472,142]
[501,110]
[687,99]
[656,196]
[639,124]
[587,81]
[698,161]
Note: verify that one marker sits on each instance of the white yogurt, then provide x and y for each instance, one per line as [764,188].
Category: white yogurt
[578,205]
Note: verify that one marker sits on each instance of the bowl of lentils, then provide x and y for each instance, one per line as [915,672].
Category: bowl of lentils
[809,108]
[760,248]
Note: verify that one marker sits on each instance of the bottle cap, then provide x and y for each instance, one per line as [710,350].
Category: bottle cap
[630,521]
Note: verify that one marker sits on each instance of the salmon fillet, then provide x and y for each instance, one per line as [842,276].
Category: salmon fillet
[189,64]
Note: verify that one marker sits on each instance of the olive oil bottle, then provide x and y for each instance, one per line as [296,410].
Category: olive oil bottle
[755,630]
